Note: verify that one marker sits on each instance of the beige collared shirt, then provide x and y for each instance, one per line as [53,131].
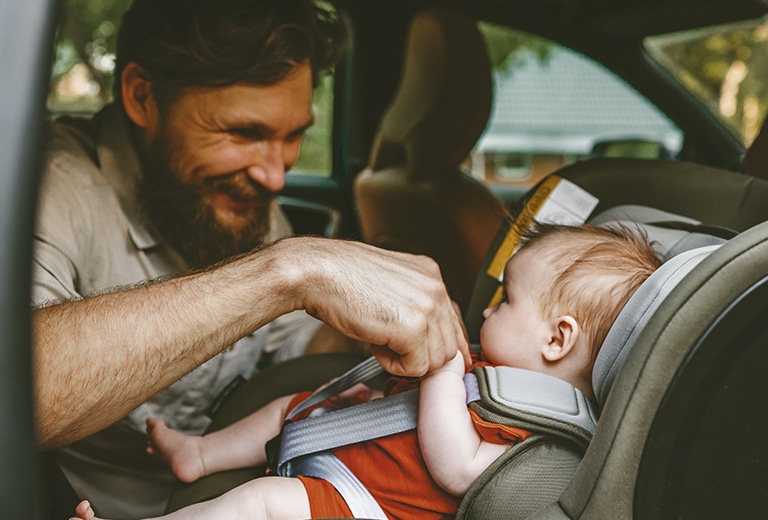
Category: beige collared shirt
[91,236]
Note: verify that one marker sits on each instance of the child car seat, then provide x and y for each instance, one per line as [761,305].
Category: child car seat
[535,473]
[693,365]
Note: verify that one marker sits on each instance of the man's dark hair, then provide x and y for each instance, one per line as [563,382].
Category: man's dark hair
[183,43]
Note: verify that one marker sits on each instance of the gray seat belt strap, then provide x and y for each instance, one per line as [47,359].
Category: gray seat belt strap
[361,372]
[306,444]
[328,467]
[378,418]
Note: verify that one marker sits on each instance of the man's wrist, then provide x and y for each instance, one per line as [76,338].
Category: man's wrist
[290,269]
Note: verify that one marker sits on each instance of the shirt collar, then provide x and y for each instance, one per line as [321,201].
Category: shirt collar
[121,166]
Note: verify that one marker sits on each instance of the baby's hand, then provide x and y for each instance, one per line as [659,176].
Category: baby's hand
[456,365]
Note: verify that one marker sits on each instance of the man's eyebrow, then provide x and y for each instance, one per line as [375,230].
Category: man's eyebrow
[302,129]
[265,129]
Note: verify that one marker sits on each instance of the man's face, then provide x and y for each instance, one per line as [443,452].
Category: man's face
[216,160]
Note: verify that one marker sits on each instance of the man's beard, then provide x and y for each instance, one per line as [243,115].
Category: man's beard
[188,223]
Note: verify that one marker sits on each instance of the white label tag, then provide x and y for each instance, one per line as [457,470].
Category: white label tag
[568,204]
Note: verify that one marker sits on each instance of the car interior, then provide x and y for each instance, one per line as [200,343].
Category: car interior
[680,385]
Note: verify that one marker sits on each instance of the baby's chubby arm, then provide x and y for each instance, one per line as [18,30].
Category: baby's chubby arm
[454,452]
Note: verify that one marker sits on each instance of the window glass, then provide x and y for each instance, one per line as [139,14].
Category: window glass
[725,66]
[553,106]
[316,156]
[82,75]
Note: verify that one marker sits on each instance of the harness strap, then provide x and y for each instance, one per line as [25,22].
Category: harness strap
[327,466]
[305,445]
[361,372]
[332,429]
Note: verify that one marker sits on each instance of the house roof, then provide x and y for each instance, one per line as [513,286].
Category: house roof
[564,104]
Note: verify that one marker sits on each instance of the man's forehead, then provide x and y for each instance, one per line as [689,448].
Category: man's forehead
[249,105]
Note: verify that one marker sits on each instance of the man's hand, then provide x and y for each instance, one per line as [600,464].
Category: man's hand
[395,301]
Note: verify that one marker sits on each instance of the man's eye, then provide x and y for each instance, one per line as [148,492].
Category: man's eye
[295,137]
[247,133]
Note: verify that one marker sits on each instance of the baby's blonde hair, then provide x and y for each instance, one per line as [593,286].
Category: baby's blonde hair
[594,271]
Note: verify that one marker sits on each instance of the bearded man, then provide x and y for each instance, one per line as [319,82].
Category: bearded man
[152,289]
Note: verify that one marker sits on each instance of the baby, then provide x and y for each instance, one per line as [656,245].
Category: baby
[563,290]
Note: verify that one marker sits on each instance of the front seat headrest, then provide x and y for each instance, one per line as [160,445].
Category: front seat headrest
[444,98]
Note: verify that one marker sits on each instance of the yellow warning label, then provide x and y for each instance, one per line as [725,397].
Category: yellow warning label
[520,226]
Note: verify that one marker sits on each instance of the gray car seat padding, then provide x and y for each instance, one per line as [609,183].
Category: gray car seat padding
[528,475]
[603,485]
[632,320]
[672,234]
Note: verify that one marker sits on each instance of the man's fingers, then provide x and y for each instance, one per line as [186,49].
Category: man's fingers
[386,298]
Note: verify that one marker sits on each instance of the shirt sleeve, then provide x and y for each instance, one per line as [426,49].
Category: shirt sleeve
[497,433]
[59,233]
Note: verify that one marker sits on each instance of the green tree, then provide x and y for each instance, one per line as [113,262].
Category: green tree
[725,67]
[86,37]
[507,47]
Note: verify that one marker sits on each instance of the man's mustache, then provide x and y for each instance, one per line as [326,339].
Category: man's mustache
[238,188]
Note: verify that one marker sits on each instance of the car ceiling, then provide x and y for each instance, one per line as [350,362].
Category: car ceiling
[632,19]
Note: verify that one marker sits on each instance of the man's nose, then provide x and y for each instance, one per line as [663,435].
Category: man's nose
[268,167]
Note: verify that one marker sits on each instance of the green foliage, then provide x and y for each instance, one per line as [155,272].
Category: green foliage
[316,157]
[725,67]
[87,36]
[507,47]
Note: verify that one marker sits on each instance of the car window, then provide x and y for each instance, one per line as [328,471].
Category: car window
[553,106]
[316,155]
[84,63]
[725,66]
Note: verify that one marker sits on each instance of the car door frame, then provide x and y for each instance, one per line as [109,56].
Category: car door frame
[26,43]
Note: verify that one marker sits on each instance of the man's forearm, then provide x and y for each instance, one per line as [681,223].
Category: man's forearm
[98,358]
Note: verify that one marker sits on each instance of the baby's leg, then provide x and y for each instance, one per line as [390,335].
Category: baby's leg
[239,445]
[183,453]
[276,498]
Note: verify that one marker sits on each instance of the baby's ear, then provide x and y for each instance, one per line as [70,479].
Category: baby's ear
[565,333]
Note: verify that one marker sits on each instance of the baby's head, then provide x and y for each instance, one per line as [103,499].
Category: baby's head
[564,288]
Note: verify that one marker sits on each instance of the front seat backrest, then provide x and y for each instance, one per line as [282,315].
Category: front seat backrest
[413,196]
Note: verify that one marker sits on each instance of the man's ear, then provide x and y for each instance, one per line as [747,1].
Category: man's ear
[565,333]
[138,100]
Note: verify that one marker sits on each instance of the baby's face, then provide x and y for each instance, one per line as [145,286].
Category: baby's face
[515,331]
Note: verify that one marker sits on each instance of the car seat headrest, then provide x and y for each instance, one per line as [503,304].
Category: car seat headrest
[670,234]
[444,98]
[681,242]
[636,313]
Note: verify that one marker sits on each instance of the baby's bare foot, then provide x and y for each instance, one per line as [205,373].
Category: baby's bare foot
[84,511]
[182,452]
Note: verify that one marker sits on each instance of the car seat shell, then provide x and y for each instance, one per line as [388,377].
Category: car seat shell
[603,486]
